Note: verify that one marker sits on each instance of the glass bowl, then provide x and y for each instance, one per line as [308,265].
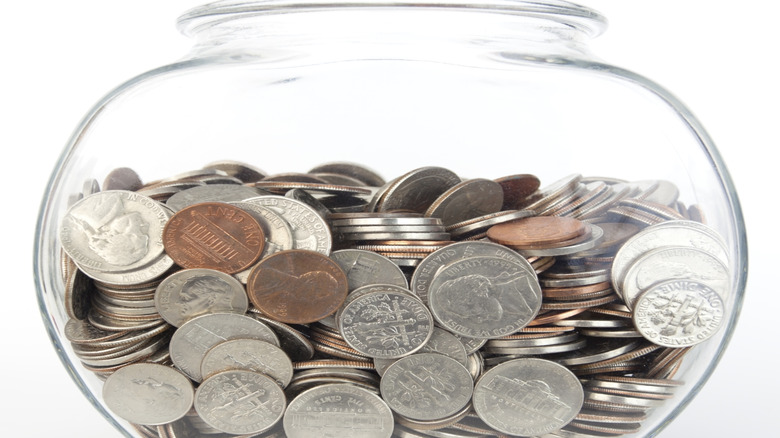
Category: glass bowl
[482,89]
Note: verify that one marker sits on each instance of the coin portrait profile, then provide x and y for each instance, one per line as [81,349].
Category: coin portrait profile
[202,294]
[482,299]
[117,236]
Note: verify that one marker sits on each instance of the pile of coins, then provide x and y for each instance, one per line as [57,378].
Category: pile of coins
[228,302]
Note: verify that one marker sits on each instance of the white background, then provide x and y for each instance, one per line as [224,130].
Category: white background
[60,57]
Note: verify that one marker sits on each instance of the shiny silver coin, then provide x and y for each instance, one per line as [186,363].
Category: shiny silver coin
[484,297]
[528,397]
[426,386]
[189,293]
[211,193]
[240,402]
[678,313]
[195,337]
[367,267]
[441,342]
[310,231]
[150,394]
[596,234]
[359,172]
[249,355]
[293,342]
[338,410]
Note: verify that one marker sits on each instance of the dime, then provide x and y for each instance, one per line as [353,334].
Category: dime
[114,231]
[147,393]
[441,342]
[297,286]
[678,313]
[484,297]
[367,267]
[310,231]
[188,293]
[249,355]
[528,397]
[240,402]
[214,235]
[197,336]
[385,324]
[338,410]
[426,386]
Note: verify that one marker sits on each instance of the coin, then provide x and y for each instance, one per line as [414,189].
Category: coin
[517,188]
[240,402]
[278,233]
[417,189]
[362,173]
[678,313]
[188,293]
[538,230]
[211,193]
[440,342]
[250,355]
[146,393]
[310,231]
[528,397]
[338,410]
[214,235]
[243,171]
[297,286]
[465,200]
[367,267]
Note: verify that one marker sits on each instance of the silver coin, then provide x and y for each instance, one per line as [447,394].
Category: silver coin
[367,267]
[250,355]
[536,351]
[197,336]
[243,171]
[528,397]
[293,342]
[397,221]
[441,342]
[361,173]
[188,293]
[596,234]
[211,193]
[674,263]
[471,228]
[154,270]
[122,178]
[401,235]
[426,386]
[554,192]
[468,199]
[431,264]
[417,190]
[146,393]
[484,297]
[338,410]
[114,231]
[278,233]
[388,229]
[385,324]
[669,233]
[310,231]
[240,402]
[678,313]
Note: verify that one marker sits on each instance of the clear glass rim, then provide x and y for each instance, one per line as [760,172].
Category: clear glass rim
[582,18]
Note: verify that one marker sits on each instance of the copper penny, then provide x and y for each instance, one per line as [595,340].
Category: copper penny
[297,286]
[537,230]
[213,235]
[517,188]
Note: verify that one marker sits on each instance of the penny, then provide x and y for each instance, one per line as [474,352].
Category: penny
[240,402]
[484,297]
[193,292]
[297,286]
[528,397]
[426,386]
[249,355]
[678,313]
[149,394]
[214,235]
[538,230]
[339,410]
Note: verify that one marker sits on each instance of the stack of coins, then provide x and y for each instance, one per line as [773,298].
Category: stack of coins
[334,302]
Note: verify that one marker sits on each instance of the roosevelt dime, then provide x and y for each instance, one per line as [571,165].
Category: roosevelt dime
[188,293]
[484,297]
[146,393]
[528,397]
[240,402]
[678,313]
[426,386]
[338,410]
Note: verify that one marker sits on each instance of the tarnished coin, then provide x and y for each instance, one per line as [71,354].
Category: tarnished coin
[426,386]
[310,231]
[188,293]
[243,171]
[417,189]
[211,193]
[79,289]
[385,324]
[517,188]
[338,410]
[528,397]
[536,231]
[214,235]
[114,231]
[357,171]
[146,393]
[250,355]
[240,402]
[197,336]
[297,286]
[367,267]
[468,199]
[674,263]
[678,313]
[484,297]
[122,178]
